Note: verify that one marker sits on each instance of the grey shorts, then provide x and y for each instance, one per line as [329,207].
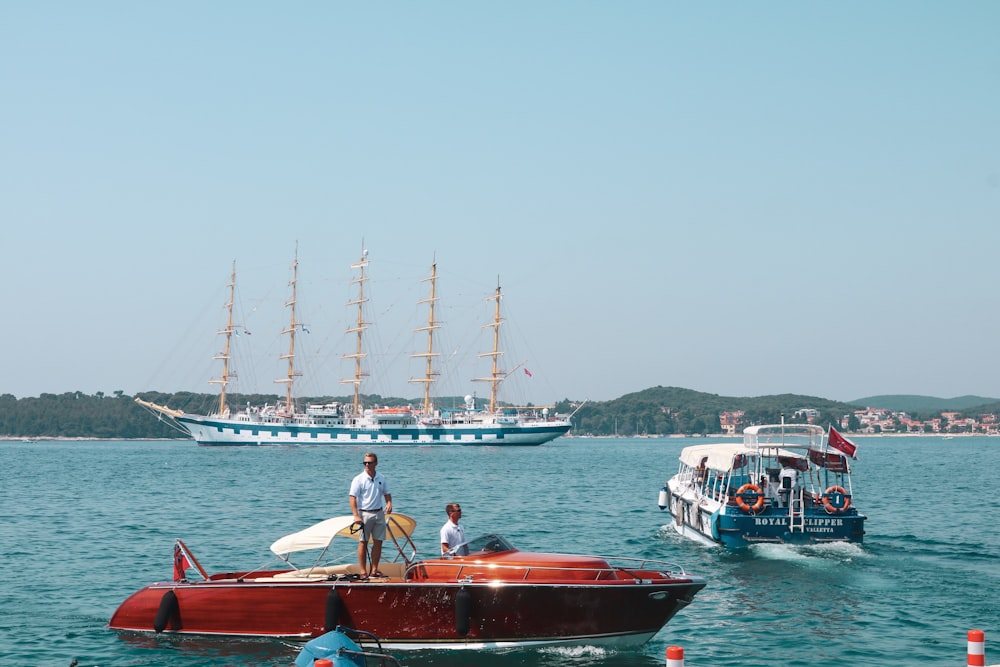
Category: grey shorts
[374,525]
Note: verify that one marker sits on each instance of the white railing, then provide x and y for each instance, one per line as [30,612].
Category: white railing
[491,571]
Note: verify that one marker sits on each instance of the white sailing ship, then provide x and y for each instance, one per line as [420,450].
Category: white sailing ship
[353,423]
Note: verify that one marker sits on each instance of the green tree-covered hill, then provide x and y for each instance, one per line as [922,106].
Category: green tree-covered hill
[653,411]
[924,404]
[673,410]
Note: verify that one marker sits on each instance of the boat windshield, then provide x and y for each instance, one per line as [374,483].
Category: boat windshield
[491,543]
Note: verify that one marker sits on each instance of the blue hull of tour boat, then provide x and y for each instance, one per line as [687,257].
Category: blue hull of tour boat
[735,529]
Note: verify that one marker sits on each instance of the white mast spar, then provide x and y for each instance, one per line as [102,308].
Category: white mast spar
[358,328]
[227,374]
[497,376]
[431,326]
[289,379]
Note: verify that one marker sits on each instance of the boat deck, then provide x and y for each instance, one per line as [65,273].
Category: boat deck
[391,571]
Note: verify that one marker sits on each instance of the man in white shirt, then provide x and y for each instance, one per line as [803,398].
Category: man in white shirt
[371,501]
[452,532]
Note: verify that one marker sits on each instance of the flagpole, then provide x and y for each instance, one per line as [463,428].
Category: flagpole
[191,559]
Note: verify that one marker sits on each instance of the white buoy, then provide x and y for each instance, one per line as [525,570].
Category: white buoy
[664,498]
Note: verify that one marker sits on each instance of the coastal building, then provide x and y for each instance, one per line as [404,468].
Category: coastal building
[733,423]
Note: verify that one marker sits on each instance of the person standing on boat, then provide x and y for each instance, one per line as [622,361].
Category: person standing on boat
[371,502]
[452,532]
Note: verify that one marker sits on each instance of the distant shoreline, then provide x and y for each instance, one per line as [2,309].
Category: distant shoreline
[65,438]
[943,436]
[740,437]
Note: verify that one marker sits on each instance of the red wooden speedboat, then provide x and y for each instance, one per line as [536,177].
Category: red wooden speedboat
[496,596]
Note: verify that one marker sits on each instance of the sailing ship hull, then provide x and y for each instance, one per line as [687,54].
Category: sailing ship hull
[221,432]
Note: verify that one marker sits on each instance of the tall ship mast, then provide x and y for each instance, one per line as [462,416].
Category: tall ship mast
[227,374]
[428,356]
[496,376]
[358,328]
[293,325]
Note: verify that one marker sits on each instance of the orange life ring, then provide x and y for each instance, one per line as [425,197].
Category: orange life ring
[828,503]
[743,504]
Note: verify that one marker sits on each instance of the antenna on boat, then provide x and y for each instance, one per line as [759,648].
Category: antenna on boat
[223,380]
[292,326]
[359,327]
[497,376]
[431,326]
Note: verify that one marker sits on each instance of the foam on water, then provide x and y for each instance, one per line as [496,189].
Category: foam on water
[577,651]
[814,555]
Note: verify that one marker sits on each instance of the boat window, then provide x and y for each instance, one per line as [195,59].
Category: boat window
[831,461]
[794,461]
[489,544]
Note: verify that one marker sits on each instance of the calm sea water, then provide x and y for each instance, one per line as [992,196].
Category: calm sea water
[84,524]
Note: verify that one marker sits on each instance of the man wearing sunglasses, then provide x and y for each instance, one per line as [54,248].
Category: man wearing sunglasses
[371,501]
[452,532]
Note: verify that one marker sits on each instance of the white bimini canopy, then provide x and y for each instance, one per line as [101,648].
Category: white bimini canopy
[721,456]
[792,435]
[319,536]
[716,457]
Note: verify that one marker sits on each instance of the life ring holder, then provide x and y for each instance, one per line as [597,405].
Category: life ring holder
[828,496]
[749,489]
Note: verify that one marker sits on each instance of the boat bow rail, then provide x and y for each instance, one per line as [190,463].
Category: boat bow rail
[626,563]
[770,435]
[603,569]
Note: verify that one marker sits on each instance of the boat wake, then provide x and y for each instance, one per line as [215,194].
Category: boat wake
[577,652]
[542,656]
[834,553]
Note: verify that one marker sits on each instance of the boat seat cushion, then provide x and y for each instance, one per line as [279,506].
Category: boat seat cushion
[388,569]
[320,572]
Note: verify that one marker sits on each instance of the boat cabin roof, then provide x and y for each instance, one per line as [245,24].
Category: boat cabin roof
[769,435]
[726,457]
[716,457]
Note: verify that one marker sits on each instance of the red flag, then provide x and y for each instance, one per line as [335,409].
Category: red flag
[527,372]
[828,460]
[842,444]
[181,561]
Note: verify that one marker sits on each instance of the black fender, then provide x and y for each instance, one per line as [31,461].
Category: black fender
[334,605]
[463,612]
[169,613]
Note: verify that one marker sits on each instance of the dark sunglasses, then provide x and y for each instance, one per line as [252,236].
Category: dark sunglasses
[370,463]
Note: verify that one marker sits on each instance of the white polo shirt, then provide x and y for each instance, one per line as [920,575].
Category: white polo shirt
[453,534]
[370,491]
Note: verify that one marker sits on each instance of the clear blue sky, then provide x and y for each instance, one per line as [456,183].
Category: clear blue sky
[737,198]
